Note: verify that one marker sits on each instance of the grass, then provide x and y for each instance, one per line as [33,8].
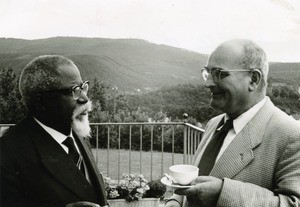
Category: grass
[140,162]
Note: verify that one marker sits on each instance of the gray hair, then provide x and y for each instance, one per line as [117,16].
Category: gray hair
[254,57]
[40,75]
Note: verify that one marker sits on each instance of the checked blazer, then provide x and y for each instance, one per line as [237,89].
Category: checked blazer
[261,166]
[36,171]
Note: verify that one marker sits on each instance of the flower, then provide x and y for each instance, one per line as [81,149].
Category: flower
[133,187]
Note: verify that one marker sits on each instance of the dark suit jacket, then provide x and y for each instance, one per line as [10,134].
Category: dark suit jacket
[36,171]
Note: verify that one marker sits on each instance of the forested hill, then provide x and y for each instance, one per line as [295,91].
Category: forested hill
[130,64]
[127,63]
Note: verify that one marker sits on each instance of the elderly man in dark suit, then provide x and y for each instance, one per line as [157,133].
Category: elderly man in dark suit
[250,155]
[46,158]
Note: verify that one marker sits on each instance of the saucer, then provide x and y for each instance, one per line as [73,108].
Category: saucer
[167,182]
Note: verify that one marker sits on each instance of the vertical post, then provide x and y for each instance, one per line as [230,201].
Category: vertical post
[119,152]
[141,148]
[184,144]
[188,145]
[108,138]
[195,141]
[192,144]
[97,144]
[185,138]
[173,143]
[151,166]
[162,150]
[130,128]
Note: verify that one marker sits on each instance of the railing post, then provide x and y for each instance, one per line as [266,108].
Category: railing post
[185,143]
[130,128]
[162,150]
[97,144]
[173,143]
[119,153]
[141,148]
[152,129]
[108,138]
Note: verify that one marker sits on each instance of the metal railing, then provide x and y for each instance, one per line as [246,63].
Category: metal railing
[151,162]
[124,147]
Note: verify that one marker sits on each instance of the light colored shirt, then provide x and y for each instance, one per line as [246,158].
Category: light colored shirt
[238,124]
[59,138]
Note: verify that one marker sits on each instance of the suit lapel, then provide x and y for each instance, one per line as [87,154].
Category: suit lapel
[94,174]
[240,152]
[57,162]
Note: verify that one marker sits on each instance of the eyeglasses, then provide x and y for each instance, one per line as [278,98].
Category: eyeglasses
[75,90]
[219,73]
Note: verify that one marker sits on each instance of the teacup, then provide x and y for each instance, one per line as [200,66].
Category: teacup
[184,174]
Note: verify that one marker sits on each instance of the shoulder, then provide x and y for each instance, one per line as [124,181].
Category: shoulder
[18,129]
[284,123]
[16,139]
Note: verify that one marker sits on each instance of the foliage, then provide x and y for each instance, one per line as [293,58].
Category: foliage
[286,98]
[11,106]
[133,187]
[174,101]
[163,105]
[157,189]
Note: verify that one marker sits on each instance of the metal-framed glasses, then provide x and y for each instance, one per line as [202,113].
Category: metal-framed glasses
[75,90]
[219,73]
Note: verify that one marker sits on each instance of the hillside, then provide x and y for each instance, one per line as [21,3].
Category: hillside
[130,64]
[127,63]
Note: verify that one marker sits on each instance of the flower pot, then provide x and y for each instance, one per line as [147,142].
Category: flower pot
[145,202]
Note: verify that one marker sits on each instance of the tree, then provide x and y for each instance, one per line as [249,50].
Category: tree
[11,106]
[98,93]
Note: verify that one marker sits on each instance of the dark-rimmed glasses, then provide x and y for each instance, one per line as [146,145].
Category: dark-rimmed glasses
[75,90]
[219,73]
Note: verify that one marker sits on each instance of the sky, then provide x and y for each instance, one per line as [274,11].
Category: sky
[196,25]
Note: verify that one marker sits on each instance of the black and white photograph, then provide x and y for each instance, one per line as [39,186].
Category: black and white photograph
[139,103]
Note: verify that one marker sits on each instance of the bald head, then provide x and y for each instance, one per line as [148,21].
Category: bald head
[245,54]
[236,74]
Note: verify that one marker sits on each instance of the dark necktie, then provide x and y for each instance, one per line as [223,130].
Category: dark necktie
[73,153]
[212,150]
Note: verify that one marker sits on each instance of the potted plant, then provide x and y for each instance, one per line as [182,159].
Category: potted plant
[133,191]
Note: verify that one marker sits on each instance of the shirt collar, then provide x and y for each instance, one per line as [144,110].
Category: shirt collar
[240,122]
[57,136]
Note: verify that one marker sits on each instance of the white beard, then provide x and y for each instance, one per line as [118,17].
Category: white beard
[80,123]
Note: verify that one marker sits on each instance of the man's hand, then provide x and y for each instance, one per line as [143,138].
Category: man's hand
[82,204]
[206,191]
[172,204]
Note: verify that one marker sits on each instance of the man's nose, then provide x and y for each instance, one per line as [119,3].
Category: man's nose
[209,82]
[83,98]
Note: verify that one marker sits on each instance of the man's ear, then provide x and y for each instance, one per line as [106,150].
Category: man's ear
[40,102]
[256,77]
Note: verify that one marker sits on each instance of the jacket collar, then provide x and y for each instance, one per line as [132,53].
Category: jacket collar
[56,161]
[239,153]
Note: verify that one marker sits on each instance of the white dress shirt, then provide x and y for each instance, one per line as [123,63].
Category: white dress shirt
[59,138]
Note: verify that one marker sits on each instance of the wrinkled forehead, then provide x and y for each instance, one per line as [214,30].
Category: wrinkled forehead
[226,56]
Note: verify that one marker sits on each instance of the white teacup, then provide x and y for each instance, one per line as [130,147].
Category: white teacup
[184,174]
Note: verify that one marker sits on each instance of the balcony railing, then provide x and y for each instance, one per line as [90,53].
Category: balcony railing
[145,148]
